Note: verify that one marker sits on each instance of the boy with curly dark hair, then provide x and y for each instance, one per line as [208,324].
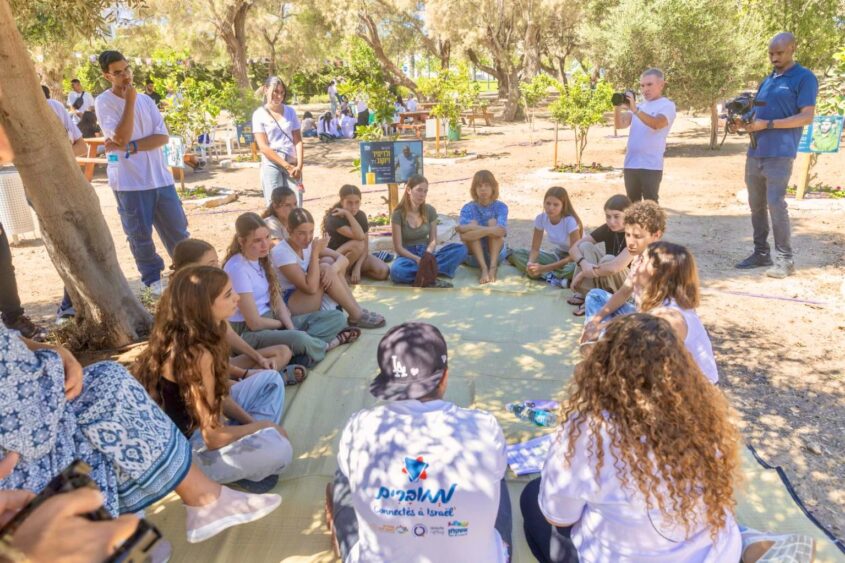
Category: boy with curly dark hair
[645,223]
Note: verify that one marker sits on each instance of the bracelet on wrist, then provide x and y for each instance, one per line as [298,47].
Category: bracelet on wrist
[578,262]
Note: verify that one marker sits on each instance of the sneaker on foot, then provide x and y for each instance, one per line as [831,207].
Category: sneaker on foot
[65,315]
[230,509]
[781,269]
[258,487]
[26,327]
[756,260]
[157,287]
[762,547]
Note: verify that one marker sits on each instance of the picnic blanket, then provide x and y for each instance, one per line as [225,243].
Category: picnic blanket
[507,341]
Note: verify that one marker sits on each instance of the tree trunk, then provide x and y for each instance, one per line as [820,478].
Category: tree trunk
[231,26]
[532,51]
[714,127]
[72,225]
[513,109]
[393,73]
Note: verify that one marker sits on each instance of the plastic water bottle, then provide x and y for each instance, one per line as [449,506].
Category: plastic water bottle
[539,417]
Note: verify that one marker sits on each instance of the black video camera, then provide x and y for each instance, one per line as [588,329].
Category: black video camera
[740,109]
[621,98]
[145,545]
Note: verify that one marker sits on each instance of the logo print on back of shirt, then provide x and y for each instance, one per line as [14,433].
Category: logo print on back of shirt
[415,469]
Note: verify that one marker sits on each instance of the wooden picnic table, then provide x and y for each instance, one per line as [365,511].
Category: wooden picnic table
[415,116]
[90,160]
[416,119]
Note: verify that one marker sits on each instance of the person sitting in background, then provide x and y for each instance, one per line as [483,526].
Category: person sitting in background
[327,128]
[411,102]
[282,202]
[234,431]
[347,124]
[309,126]
[416,441]
[55,412]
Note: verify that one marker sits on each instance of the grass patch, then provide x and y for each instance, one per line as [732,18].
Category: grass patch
[592,168]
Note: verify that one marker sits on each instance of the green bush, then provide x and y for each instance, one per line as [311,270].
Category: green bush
[581,106]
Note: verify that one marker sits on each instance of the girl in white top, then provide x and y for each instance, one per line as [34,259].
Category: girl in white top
[561,225]
[308,270]
[644,465]
[282,202]
[666,283]
[347,124]
[327,127]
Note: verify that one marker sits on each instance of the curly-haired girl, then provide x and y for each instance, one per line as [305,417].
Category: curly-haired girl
[636,472]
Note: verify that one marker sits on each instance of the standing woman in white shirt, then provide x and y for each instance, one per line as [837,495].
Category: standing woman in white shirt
[277,132]
[644,465]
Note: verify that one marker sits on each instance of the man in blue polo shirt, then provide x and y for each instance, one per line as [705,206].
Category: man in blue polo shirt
[789,94]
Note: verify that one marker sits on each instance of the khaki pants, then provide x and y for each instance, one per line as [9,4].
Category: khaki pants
[595,254]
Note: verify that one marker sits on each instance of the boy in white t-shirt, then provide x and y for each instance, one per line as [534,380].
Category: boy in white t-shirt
[137,171]
[419,478]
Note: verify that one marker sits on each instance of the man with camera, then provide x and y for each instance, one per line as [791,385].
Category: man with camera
[786,102]
[650,122]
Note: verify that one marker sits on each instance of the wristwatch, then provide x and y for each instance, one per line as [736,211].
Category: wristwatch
[770,124]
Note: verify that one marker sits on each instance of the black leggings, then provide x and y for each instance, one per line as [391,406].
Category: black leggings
[10,303]
[548,543]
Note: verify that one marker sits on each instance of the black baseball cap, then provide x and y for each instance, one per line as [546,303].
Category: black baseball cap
[412,359]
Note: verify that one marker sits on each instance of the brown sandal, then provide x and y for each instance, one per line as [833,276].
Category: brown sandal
[580,311]
[348,335]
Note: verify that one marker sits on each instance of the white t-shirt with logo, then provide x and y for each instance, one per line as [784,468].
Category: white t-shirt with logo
[425,480]
[248,277]
[144,170]
[283,255]
[279,131]
[557,235]
[611,522]
[73,132]
[646,145]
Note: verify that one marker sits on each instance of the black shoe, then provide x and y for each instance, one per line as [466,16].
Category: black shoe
[26,327]
[258,487]
[755,261]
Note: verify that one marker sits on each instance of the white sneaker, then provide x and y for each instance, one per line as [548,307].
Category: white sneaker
[230,509]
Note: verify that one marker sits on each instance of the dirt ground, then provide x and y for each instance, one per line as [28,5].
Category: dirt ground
[778,342]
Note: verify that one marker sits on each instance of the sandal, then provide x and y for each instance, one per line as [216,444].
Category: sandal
[369,320]
[442,284]
[579,312]
[576,299]
[289,374]
[348,335]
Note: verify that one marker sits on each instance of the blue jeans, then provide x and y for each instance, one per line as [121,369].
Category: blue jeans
[449,257]
[142,210]
[274,176]
[598,298]
[766,180]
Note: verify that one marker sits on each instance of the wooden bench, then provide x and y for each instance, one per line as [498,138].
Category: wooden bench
[88,163]
[417,128]
[477,113]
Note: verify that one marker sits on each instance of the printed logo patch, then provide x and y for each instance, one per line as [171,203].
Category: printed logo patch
[415,469]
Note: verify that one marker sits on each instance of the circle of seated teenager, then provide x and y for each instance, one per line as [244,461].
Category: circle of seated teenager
[53,413]
[483,226]
[414,228]
[282,202]
[313,277]
[602,493]
[262,318]
[347,226]
[248,361]
[234,431]
[601,257]
[665,284]
[418,474]
[561,224]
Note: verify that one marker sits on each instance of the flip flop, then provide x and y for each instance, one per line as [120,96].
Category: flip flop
[579,312]
[575,299]
[289,374]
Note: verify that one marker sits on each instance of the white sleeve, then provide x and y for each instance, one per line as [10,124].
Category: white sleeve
[107,117]
[538,222]
[571,224]
[294,120]
[257,122]
[566,487]
[240,279]
[72,130]
[282,255]
[346,445]
[669,111]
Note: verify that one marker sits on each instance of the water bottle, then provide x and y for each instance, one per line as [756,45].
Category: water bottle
[539,417]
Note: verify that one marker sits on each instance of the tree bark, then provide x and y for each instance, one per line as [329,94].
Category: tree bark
[231,24]
[393,72]
[714,127]
[74,230]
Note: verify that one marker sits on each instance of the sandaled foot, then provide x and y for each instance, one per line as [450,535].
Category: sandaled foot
[441,284]
[576,299]
[293,374]
[348,335]
[762,547]
[368,319]
[579,311]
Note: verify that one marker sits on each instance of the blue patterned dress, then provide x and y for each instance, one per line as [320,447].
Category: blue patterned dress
[138,456]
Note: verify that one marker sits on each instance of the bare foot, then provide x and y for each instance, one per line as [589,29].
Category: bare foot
[484,277]
[494,272]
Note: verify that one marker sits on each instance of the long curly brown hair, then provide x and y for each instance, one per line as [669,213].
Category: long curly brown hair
[644,389]
[184,330]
